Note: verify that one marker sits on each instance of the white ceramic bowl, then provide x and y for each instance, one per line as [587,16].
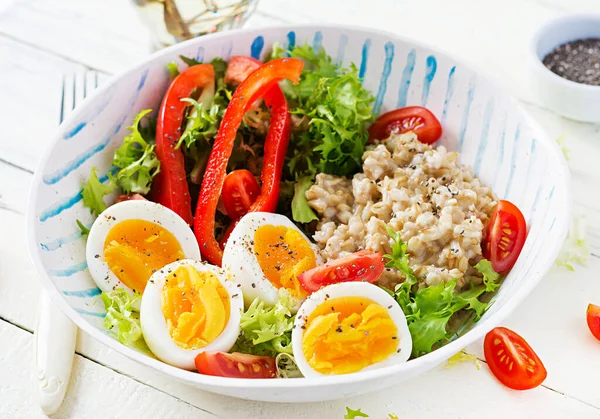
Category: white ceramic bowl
[577,101]
[495,135]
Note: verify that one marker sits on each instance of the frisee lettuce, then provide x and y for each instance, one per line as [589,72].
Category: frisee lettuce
[428,310]
[122,318]
[94,191]
[84,230]
[301,211]
[463,356]
[563,147]
[173,69]
[338,109]
[353,414]
[203,119]
[136,159]
[491,278]
[189,61]
[267,330]
[286,366]
[576,248]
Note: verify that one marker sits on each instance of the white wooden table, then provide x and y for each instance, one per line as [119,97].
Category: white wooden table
[40,40]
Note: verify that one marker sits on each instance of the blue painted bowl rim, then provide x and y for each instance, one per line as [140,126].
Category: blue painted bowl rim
[423,363]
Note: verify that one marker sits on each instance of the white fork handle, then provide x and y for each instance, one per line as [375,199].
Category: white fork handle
[55,338]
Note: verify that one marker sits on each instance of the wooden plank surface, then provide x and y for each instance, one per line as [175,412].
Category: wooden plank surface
[38,47]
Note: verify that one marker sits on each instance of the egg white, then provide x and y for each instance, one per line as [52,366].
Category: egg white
[104,278]
[352,289]
[155,328]
[240,259]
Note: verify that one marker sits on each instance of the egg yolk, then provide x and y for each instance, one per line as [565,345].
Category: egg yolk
[283,254]
[135,249]
[196,307]
[345,335]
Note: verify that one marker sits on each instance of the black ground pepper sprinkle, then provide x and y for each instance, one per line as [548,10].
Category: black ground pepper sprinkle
[578,61]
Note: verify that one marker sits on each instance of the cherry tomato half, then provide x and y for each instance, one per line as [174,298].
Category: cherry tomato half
[412,118]
[593,320]
[239,67]
[365,266]
[240,190]
[505,236]
[235,365]
[512,360]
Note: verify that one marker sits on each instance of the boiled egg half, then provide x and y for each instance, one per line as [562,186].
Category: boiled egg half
[349,327]
[131,240]
[266,252]
[190,307]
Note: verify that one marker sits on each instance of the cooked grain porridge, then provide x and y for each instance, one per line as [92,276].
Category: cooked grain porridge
[438,205]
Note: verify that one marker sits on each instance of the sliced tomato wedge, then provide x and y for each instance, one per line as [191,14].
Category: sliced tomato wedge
[512,360]
[364,266]
[411,118]
[235,365]
[505,236]
[239,67]
[593,320]
[240,190]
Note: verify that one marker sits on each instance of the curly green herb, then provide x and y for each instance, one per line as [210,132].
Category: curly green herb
[428,310]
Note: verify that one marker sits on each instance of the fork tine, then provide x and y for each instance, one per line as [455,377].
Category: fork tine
[90,82]
[62,100]
[75,88]
[68,95]
[79,87]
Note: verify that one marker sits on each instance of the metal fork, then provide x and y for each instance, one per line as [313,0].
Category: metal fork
[55,334]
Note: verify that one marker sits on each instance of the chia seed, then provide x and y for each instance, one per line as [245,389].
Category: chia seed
[578,61]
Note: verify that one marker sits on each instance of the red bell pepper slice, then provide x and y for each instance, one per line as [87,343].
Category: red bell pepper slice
[251,89]
[276,144]
[170,187]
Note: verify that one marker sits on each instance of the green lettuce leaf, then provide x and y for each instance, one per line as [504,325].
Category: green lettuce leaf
[301,211]
[338,109]
[173,69]
[122,319]
[202,122]
[286,366]
[399,260]
[428,310]
[491,278]
[353,414]
[563,147]
[576,248]
[189,61]
[463,356]
[84,230]
[267,330]
[136,159]
[94,191]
